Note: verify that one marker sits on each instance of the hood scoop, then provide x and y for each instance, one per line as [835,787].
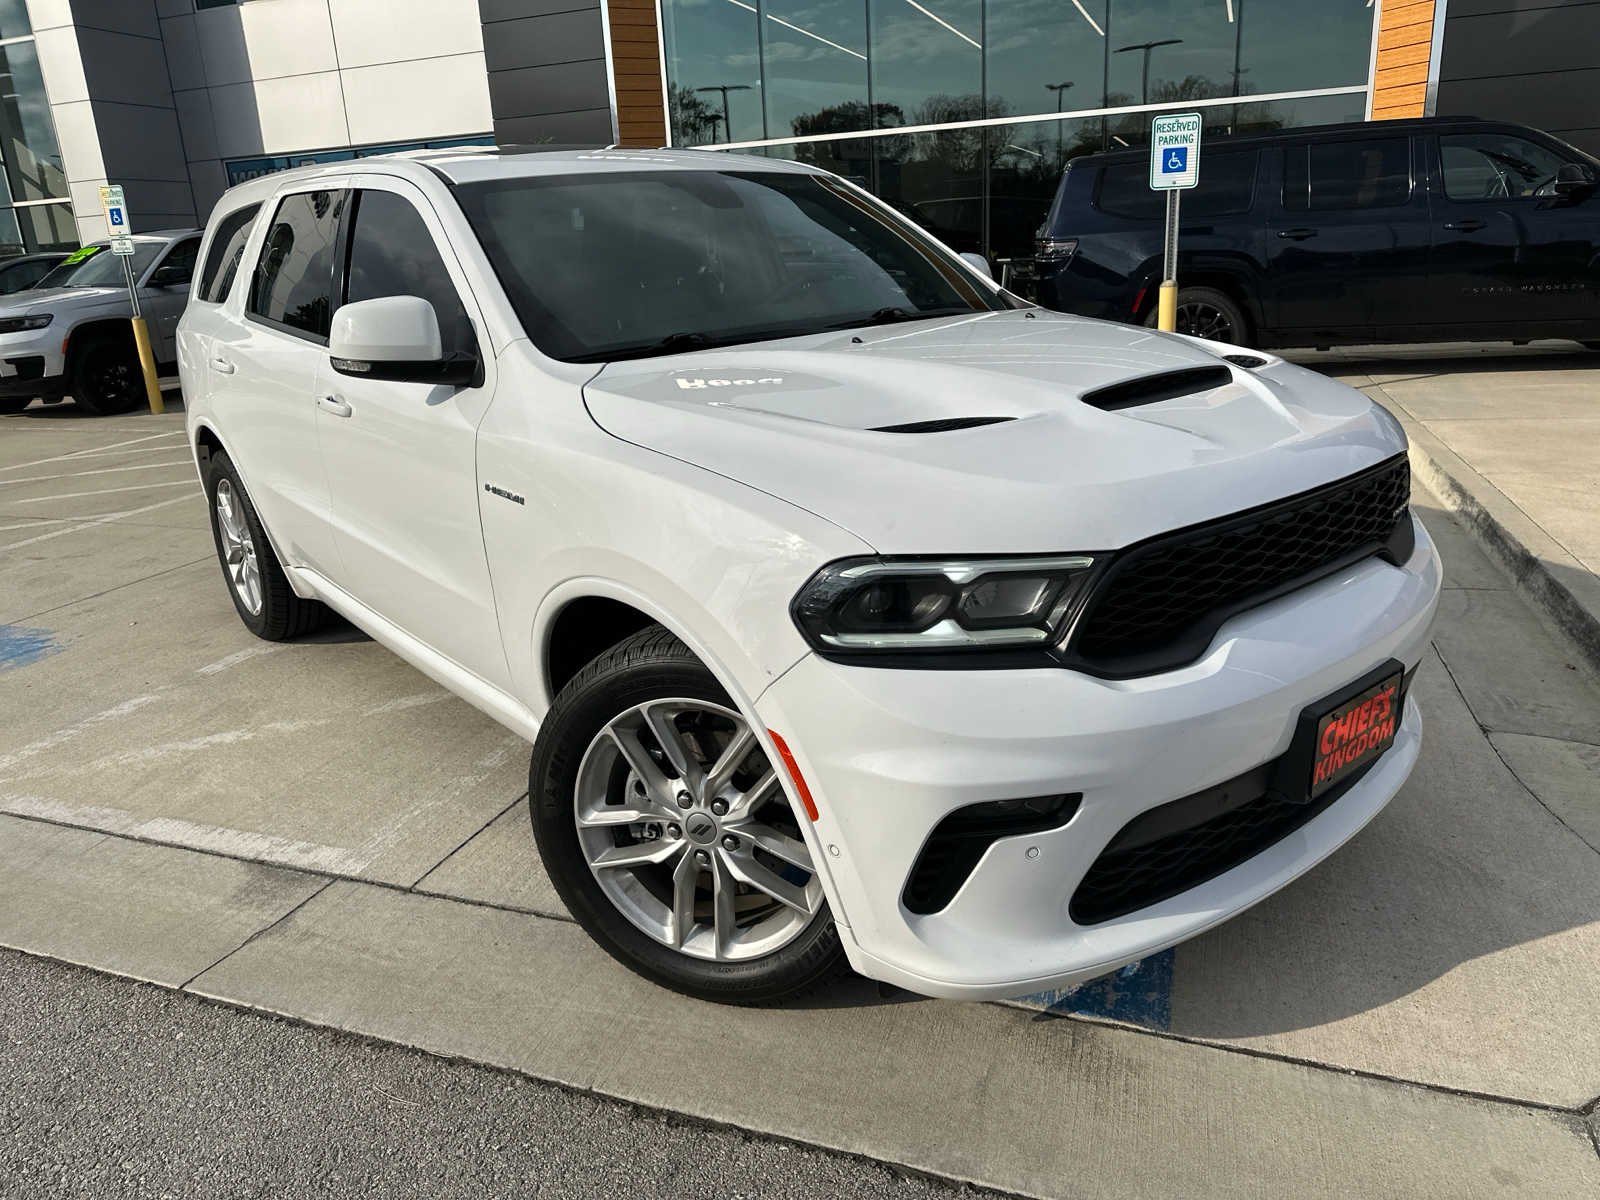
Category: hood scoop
[943,425]
[1152,389]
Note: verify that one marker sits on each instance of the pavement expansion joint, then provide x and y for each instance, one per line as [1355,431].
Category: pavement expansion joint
[262,932]
[1510,770]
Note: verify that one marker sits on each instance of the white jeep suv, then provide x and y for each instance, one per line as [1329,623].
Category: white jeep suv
[857,611]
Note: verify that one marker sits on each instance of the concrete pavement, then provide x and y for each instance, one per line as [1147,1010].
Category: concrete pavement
[127,1093]
[1509,437]
[315,830]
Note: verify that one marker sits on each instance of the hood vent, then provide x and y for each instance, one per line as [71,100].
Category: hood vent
[944,425]
[1151,389]
[1249,361]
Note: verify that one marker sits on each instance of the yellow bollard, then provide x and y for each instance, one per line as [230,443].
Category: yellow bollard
[147,363]
[1167,307]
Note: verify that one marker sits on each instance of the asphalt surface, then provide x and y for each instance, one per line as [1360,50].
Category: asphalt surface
[113,1089]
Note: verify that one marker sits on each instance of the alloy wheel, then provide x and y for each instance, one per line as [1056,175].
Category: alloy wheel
[113,382]
[1202,320]
[238,548]
[686,828]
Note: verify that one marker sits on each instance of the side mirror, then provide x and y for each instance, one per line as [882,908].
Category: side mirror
[165,277]
[1574,179]
[395,338]
[978,263]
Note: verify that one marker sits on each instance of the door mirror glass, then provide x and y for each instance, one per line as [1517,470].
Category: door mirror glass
[170,276]
[1574,179]
[394,338]
[978,263]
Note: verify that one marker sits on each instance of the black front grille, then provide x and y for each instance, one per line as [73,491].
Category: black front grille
[1160,602]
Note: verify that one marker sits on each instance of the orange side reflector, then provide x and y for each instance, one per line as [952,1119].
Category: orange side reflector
[794,774]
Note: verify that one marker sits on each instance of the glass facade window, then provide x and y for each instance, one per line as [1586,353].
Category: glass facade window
[794,70]
[14,19]
[33,160]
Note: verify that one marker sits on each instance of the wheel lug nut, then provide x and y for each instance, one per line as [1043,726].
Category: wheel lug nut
[730,842]
[701,857]
[685,800]
[673,831]
[720,807]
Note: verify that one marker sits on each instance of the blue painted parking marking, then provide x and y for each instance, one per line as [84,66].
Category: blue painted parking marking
[20,645]
[1140,994]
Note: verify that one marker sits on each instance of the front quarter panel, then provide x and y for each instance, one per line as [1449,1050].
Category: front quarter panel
[576,512]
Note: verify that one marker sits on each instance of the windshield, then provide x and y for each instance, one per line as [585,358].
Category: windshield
[626,265]
[102,268]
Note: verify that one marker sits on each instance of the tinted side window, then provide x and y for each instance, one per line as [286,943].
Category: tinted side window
[1125,192]
[1374,173]
[227,247]
[1227,181]
[294,277]
[393,254]
[1495,166]
[180,261]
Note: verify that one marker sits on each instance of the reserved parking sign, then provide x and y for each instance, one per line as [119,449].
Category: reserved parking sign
[1175,152]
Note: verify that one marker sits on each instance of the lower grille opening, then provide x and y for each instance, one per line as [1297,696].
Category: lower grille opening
[958,842]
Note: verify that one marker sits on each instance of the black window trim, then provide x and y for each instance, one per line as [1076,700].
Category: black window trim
[343,187]
[355,185]
[1368,133]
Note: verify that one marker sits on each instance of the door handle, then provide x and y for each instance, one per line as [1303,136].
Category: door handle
[334,405]
[1469,226]
[1296,235]
[222,366]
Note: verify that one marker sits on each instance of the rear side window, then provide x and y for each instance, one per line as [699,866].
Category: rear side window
[24,275]
[227,248]
[1370,173]
[293,282]
[393,254]
[1227,181]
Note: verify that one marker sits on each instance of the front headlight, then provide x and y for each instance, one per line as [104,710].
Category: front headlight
[870,605]
[18,324]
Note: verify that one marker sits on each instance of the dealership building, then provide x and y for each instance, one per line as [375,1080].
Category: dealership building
[962,112]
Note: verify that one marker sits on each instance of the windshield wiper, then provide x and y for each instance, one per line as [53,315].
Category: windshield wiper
[893,315]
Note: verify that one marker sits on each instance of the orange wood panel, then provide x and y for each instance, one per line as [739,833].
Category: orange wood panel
[1405,40]
[636,68]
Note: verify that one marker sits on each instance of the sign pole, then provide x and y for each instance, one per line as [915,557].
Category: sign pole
[1167,315]
[120,228]
[1174,168]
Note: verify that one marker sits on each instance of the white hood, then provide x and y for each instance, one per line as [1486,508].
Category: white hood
[801,419]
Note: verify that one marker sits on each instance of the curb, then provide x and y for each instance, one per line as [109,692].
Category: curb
[1543,571]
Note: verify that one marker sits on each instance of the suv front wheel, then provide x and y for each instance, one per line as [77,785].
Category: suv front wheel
[107,377]
[668,835]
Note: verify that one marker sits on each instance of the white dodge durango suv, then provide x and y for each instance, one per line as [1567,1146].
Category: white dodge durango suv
[857,610]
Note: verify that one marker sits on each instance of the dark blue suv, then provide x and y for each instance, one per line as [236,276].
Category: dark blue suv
[1400,231]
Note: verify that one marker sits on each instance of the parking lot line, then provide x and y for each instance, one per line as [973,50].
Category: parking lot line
[92,524]
[39,462]
[137,487]
[182,462]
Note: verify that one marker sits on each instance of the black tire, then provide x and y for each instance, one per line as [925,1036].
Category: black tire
[106,376]
[10,406]
[650,665]
[281,614]
[1208,313]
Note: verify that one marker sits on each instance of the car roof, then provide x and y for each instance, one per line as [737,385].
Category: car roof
[1268,137]
[471,164]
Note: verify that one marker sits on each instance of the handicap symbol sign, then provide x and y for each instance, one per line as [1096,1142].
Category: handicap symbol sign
[1175,161]
[116,216]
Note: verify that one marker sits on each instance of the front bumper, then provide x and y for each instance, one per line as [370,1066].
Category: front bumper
[889,753]
[32,365]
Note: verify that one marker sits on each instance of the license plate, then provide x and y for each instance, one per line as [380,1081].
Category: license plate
[1352,735]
